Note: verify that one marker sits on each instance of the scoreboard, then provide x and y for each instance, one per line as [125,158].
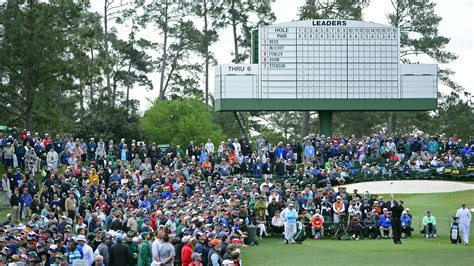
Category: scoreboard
[329,59]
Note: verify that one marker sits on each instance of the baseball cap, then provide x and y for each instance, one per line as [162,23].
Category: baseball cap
[81,238]
[195,255]
[186,239]
[215,242]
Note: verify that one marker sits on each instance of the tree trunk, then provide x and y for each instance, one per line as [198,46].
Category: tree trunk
[91,91]
[234,32]
[304,124]
[114,90]
[81,95]
[29,109]
[164,56]
[239,119]
[129,84]
[391,123]
[206,36]
[236,59]
[106,49]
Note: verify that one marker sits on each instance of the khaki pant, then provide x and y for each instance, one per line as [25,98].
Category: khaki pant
[6,198]
[383,230]
[16,213]
[37,166]
[26,213]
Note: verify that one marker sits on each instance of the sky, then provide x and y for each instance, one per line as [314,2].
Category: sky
[457,24]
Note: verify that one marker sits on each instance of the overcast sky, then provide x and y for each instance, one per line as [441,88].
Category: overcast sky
[457,24]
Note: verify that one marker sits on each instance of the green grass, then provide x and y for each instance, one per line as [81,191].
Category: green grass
[414,251]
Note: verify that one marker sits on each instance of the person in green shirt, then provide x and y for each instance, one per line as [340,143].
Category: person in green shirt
[144,251]
[133,246]
[429,224]
[140,220]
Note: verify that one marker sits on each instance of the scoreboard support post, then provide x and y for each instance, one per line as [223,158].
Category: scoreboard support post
[325,123]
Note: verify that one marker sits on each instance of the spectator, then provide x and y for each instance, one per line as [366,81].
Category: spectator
[370,226]
[25,203]
[197,261]
[166,252]
[406,224]
[120,253]
[88,254]
[385,224]
[214,258]
[429,225]
[187,251]
[317,225]
[73,253]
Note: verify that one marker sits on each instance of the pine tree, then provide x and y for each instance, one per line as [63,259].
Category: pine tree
[419,35]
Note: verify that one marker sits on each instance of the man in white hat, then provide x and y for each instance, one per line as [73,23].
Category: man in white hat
[465,217]
[86,249]
[290,223]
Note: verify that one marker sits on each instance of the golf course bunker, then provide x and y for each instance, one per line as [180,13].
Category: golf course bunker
[409,186]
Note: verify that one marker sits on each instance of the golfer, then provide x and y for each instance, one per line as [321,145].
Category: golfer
[464,216]
[290,223]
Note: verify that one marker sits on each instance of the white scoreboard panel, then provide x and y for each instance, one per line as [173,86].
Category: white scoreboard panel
[329,59]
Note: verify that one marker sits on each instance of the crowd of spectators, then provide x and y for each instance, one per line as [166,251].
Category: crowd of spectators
[132,203]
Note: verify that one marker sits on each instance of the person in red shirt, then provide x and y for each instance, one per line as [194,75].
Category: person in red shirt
[393,156]
[317,225]
[102,203]
[168,184]
[23,134]
[187,251]
[47,140]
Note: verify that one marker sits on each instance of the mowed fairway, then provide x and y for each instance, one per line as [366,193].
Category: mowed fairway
[414,251]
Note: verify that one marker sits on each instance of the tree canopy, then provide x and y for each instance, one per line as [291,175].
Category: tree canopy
[179,121]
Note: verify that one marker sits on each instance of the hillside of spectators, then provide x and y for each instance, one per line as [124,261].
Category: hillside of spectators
[132,203]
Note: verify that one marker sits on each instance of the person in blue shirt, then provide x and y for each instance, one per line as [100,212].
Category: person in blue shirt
[114,179]
[405,222]
[166,194]
[25,203]
[224,168]
[466,151]
[290,216]
[347,162]
[308,152]
[64,158]
[91,149]
[385,224]
[73,251]
[145,203]
[279,150]
[258,169]
[203,155]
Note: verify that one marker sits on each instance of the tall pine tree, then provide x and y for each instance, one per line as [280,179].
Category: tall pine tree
[419,35]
